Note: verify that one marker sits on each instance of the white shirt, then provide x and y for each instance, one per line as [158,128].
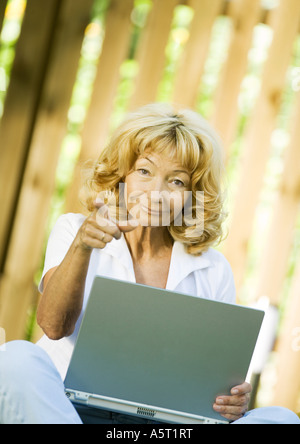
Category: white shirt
[208,276]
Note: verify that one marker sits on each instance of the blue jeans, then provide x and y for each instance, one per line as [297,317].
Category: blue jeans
[32,392]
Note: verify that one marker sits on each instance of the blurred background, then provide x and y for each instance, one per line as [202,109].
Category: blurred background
[71,69]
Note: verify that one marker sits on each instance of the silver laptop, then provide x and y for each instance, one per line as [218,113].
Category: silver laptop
[158,354]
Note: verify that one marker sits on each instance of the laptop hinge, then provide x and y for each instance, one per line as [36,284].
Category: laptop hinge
[78,396]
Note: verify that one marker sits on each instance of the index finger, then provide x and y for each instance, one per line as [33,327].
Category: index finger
[104,221]
[108,227]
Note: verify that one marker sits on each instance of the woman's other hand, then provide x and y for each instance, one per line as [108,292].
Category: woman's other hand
[235,406]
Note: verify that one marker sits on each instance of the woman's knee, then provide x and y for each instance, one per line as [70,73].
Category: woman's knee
[18,347]
[31,390]
[277,415]
[18,362]
[270,415]
[286,416]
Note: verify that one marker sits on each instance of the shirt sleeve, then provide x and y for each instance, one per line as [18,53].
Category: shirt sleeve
[60,241]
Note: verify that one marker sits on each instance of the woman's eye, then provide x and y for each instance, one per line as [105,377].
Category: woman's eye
[143,171]
[178,183]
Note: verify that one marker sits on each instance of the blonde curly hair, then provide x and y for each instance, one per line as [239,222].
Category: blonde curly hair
[187,138]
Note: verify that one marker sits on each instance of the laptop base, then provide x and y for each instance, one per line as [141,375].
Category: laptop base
[138,410]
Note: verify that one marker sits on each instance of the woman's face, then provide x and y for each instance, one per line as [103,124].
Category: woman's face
[156,190]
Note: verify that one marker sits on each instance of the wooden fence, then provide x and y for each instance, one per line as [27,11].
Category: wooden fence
[35,119]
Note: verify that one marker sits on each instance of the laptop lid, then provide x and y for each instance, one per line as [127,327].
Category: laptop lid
[152,347]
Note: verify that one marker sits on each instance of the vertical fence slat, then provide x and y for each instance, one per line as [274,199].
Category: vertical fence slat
[24,253]
[20,106]
[152,52]
[191,68]
[226,104]
[3,4]
[257,144]
[114,51]
[287,388]
[273,265]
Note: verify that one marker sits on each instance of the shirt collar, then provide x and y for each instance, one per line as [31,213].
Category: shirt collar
[182,263]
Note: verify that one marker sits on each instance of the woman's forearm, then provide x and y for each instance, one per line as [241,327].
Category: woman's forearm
[62,300]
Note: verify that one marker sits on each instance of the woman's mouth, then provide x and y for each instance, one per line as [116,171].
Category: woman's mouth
[154,212]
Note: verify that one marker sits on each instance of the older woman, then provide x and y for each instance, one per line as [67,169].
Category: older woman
[155,210]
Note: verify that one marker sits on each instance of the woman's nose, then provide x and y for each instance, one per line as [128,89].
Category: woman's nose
[160,185]
[156,191]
